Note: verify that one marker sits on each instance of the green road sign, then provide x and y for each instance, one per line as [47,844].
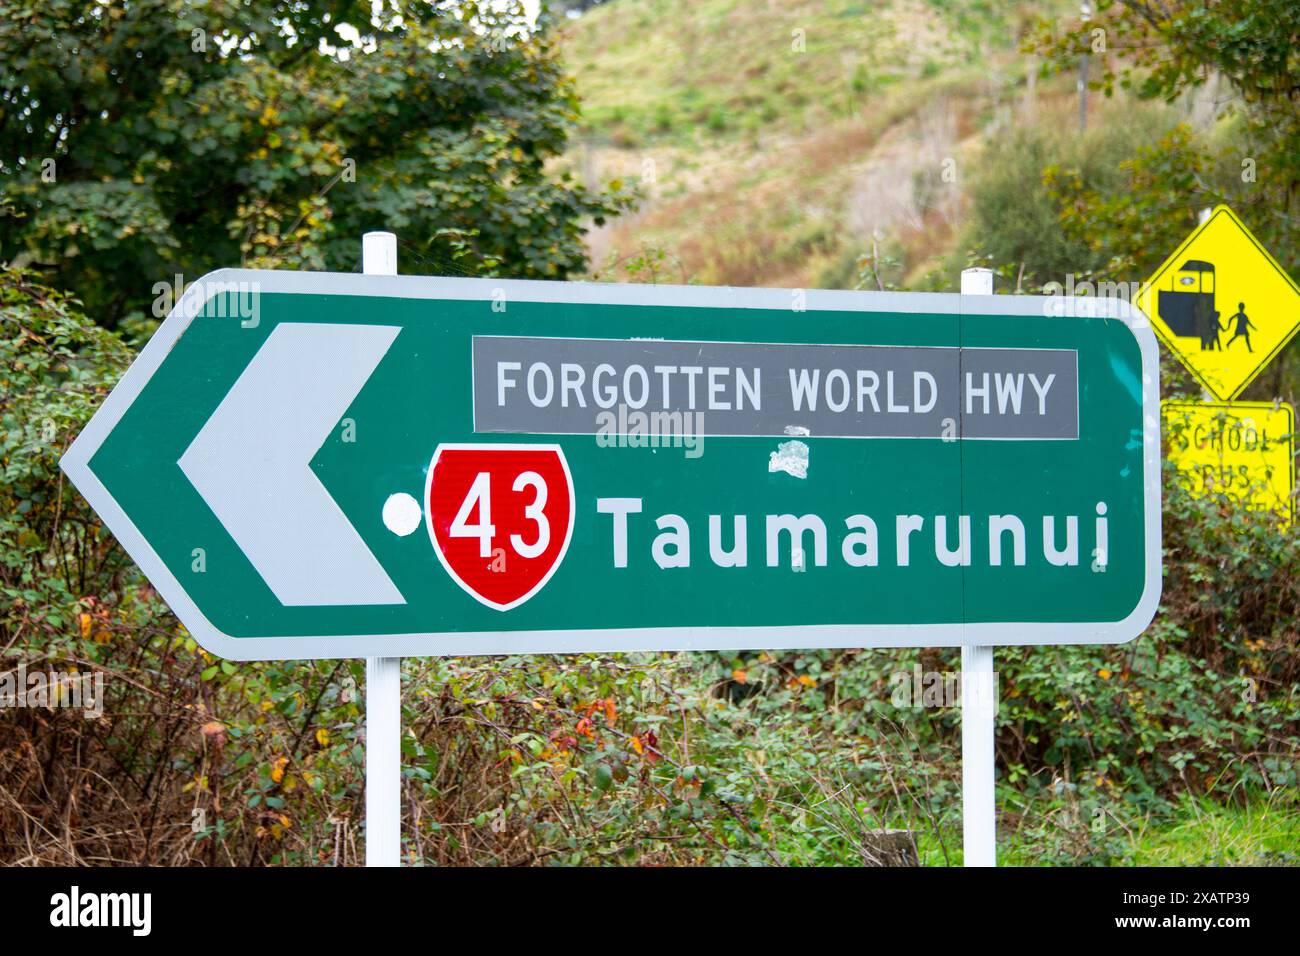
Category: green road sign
[324,465]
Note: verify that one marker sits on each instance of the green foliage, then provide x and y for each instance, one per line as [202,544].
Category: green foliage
[1250,160]
[1131,223]
[1207,702]
[650,265]
[1151,204]
[140,140]
[56,371]
[1017,208]
[1251,43]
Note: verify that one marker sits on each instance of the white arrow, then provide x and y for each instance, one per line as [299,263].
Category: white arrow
[251,464]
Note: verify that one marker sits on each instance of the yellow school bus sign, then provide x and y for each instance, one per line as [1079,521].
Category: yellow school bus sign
[1222,304]
[1238,449]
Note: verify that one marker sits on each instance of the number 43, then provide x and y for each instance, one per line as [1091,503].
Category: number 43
[480,497]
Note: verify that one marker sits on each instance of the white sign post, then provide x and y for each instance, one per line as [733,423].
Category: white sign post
[383,676]
[978,807]
[978,705]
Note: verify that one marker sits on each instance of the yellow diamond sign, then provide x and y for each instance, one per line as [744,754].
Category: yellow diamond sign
[1222,304]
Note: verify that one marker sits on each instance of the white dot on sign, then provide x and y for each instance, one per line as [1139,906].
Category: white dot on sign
[401,514]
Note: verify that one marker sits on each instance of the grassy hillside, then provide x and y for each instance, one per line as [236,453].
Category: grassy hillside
[776,142]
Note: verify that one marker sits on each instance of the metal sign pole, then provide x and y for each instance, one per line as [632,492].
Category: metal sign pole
[978,806]
[383,676]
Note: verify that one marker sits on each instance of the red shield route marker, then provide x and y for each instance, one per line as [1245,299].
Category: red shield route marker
[500,517]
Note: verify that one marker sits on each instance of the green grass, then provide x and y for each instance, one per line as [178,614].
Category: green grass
[1265,832]
[682,72]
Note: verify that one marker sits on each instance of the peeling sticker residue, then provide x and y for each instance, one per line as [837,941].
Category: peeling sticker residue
[797,431]
[790,457]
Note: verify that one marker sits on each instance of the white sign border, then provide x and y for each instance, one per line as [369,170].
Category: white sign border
[75,464]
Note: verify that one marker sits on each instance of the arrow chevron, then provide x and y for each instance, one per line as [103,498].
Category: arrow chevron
[251,464]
